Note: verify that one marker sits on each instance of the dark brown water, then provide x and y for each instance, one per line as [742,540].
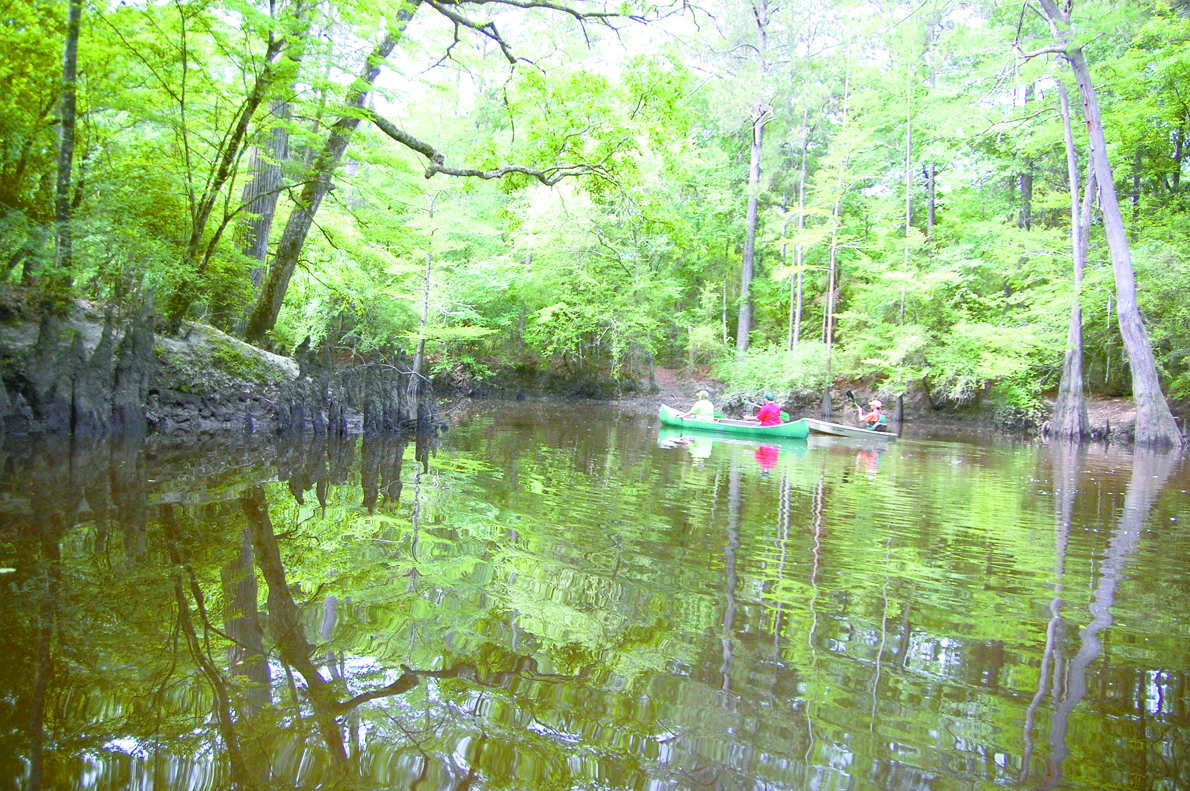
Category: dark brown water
[535,603]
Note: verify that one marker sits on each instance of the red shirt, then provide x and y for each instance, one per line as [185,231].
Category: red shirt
[769,414]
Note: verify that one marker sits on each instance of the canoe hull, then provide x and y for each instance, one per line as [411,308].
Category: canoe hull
[839,430]
[795,430]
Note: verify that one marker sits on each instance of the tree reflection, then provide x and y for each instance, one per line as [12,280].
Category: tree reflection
[1150,469]
[287,616]
[1066,462]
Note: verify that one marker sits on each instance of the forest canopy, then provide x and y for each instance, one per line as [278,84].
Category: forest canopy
[883,192]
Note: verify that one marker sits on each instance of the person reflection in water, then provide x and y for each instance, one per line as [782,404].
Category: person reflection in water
[700,449]
[868,461]
[766,457]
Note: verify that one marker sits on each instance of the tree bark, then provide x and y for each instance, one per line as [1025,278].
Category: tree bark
[1155,425]
[415,379]
[1070,421]
[64,254]
[268,305]
[930,173]
[261,193]
[795,330]
[760,116]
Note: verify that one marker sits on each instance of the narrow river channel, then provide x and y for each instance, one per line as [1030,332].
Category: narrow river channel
[567,596]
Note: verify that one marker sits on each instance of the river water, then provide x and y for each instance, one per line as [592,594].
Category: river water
[563,596]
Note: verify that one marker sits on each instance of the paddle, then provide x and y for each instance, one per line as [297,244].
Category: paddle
[851,398]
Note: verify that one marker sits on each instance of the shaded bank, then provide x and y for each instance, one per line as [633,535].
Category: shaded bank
[80,372]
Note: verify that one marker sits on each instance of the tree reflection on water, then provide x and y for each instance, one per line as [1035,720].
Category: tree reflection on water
[533,605]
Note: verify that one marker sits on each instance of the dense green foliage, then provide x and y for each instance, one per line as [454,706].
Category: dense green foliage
[925,107]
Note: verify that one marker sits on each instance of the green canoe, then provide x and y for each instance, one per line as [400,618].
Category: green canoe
[795,430]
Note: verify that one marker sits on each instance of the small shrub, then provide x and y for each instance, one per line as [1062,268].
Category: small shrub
[771,369]
[1016,403]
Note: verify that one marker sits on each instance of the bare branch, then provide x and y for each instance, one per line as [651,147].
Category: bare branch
[483,28]
[1051,49]
[606,17]
[548,176]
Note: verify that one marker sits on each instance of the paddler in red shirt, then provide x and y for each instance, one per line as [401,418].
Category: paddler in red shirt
[769,414]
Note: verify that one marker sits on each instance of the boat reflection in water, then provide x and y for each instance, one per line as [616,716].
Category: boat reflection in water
[541,602]
[700,444]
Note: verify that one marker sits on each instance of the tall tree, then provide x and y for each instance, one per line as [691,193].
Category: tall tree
[268,306]
[64,255]
[760,113]
[318,183]
[1070,419]
[1155,425]
[263,190]
[836,220]
[205,189]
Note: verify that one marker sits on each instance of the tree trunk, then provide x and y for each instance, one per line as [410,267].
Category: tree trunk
[1178,149]
[1155,425]
[785,260]
[261,193]
[1025,220]
[63,257]
[724,309]
[415,379]
[829,318]
[1154,422]
[762,113]
[1136,163]
[760,116]
[272,295]
[908,183]
[796,330]
[1070,421]
[931,171]
[198,246]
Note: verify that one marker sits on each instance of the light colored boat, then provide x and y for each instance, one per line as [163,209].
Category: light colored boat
[839,430]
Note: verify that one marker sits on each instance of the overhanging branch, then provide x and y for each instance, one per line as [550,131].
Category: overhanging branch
[1052,49]
[548,176]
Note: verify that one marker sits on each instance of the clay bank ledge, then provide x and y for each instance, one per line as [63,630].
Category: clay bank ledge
[90,373]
